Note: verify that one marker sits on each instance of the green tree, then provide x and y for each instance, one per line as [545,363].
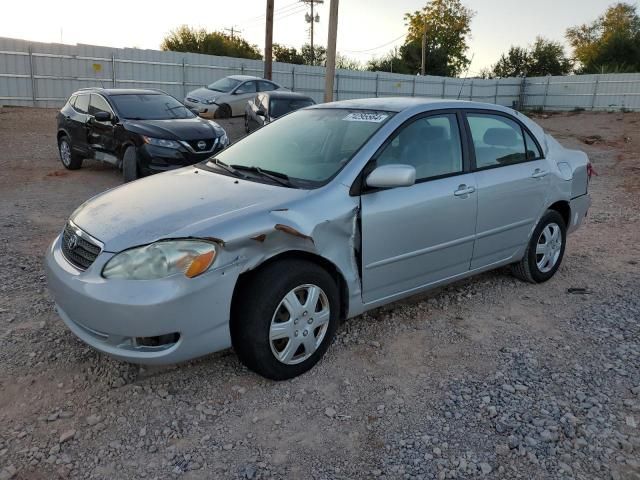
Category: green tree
[447,24]
[611,43]
[187,39]
[285,54]
[318,58]
[544,57]
[346,63]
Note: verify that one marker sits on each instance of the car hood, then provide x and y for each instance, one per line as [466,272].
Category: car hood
[189,202]
[205,94]
[175,129]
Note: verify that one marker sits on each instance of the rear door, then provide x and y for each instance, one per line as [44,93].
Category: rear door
[76,123]
[512,181]
[245,92]
[100,135]
[415,236]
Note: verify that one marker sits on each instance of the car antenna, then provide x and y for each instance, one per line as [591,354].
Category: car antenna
[465,76]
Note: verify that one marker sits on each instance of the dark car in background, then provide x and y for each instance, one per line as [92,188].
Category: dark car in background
[266,107]
[139,131]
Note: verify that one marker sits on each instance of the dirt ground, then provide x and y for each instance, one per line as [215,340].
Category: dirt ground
[489,377]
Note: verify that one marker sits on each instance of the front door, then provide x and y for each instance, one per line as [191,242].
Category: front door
[101,134]
[415,236]
[512,184]
[242,94]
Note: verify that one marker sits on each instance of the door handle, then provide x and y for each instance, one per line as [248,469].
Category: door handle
[463,190]
[537,173]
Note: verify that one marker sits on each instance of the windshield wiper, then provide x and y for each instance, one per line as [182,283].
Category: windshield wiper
[228,168]
[277,177]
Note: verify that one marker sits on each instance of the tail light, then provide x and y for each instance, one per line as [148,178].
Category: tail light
[591,171]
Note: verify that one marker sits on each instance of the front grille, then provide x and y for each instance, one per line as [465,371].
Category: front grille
[193,100]
[77,248]
[208,144]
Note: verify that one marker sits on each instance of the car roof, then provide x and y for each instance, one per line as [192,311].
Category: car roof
[399,104]
[120,91]
[244,77]
[286,94]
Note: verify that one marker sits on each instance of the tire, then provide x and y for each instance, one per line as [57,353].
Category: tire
[261,310]
[130,165]
[539,264]
[246,123]
[223,111]
[70,159]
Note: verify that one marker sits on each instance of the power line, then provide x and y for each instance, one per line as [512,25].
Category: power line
[287,8]
[378,47]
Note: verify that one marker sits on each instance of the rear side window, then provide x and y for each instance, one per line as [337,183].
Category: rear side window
[266,86]
[247,87]
[533,152]
[98,104]
[82,103]
[497,140]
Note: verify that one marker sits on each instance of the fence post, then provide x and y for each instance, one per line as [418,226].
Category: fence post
[495,96]
[471,91]
[595,94]
[242,69]
[337,92]
[113,70]
[521,93]
[377,75]
[33,79]
[293,79]
[546,92]
[184,79]
[444,88]
[413,90]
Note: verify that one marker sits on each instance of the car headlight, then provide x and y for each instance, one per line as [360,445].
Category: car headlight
[224,140]
[162,259]
[161,142]
[208,101]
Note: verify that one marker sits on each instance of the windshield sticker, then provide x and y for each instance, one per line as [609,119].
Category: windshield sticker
[366,117]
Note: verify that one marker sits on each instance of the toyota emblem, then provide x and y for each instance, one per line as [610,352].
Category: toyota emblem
[202,145]
[72,242]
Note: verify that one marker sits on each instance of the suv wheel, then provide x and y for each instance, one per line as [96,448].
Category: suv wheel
[289,321]
[69,159]
[130,164]
[545,250]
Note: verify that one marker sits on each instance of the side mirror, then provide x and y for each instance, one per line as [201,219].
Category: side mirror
[261,113]
[391,176]
[103,117]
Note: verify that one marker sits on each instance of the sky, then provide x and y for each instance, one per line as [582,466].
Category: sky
[366,28]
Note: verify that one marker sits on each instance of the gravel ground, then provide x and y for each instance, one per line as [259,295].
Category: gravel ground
[487,378]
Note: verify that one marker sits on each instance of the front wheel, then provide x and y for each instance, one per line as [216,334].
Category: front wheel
[130,165]
[246,123]
[285,318]
[545,250]
[223,111]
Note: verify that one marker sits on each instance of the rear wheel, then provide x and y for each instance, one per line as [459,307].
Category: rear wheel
[130,165]
[68,157]
[285,318]
[545,250]
[223,111]
[246,123]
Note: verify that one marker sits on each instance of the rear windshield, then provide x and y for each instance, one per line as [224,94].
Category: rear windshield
[280,106]
[149,106]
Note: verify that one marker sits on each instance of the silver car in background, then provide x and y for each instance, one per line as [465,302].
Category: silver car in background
[331,211]
[228,96]
[268,106]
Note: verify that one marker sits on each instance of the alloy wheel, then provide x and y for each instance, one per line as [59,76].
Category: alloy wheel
[65,153]
[548,247]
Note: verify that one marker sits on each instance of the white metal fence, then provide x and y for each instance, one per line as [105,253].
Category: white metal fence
[45,74]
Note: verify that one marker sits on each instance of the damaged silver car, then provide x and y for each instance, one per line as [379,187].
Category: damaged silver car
[331,211]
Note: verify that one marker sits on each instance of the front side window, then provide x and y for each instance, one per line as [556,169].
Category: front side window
[308,146]
[224,85]
[149,106]
[265,86]
[82,103]
[497,140]
[430,144]
[98,104]
[247,87]
[72,100]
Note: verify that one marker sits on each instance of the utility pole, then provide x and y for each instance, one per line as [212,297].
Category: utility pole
[424,48]
[331,51]
[268,41]
[233,30]
[311,19]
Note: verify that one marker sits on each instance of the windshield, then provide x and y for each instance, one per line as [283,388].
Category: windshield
[280,106]
[149,106]
[224,85]
[308,146]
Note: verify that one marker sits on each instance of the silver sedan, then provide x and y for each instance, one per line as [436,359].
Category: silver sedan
[329,212]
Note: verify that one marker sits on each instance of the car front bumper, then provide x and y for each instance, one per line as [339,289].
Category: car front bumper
[152,322]
[203,109]
[154,159]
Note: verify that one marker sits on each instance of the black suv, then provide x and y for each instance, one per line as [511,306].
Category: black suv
[140,131]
